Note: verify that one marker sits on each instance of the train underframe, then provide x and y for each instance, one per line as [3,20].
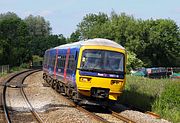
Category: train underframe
[96,98]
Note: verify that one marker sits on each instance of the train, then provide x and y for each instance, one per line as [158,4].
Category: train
[88,72]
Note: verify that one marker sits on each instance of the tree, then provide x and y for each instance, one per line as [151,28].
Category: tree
[74,37]
[12,36]
[163,44]
[21,39]
[40,38]
[37,26]
[133,62]
[155,42]
[91,25]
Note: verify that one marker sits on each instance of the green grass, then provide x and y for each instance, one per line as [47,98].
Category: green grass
[3,74]
[158,95]
[13,69]
[168,104]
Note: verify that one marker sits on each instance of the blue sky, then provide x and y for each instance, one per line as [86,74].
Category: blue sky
[64,15]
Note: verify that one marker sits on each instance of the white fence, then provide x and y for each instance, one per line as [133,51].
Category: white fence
[4,69]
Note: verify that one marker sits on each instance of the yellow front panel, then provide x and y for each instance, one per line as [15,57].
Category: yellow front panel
[84,85]
[101,83]
[98,82]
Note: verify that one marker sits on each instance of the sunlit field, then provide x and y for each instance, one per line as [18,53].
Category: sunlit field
[161,96]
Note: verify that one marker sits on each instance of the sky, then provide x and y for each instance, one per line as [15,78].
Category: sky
[65,15]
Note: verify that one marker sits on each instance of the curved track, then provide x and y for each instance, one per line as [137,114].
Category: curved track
[27,101]
[97,117]
[6,85]
[117,115]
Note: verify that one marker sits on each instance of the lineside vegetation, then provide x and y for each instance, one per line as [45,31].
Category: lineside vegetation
[161,96]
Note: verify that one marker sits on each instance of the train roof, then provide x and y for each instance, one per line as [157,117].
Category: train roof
[91,42]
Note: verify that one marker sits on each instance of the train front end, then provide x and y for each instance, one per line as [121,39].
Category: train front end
[101,72]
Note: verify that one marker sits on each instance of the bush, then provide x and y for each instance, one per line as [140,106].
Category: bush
[2,74]
[13,69]
[24,65]
[133,62]
[21,67]
[168,103]
[37,60]
[161,96]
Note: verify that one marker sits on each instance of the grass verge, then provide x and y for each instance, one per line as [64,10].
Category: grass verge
[158,95]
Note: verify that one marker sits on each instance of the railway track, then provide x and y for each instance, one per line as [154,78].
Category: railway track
[117,115]
[22,75]
[112,113]
[93,115]
[144,111]
[97,117]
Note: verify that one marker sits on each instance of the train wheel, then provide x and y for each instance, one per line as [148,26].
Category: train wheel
[44,76]
[51,82]
[61,88]
[64,89]
[48,80]
[57,87]
[75,96]
[54,84]
[70,91]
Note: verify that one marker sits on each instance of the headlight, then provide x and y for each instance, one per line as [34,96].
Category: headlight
[115,82]
[84,79]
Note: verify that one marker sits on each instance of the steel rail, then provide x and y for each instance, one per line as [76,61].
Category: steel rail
[7,117]
[153,114]
[33,111]
[92,115]
[146,112]
[117,115]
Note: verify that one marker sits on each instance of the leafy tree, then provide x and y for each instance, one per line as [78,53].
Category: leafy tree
[155,42]
[74,37]
[40,38]
[162,46]
[40,44]
[12,36]
[55,40]
[91,25]
[133,62]
[8,15]
[21,39]
[37,26]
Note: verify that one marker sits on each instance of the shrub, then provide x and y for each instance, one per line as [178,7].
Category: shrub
[37,60]
[13,69]
[161,96]
[24,65]
[133,62]
[168,103]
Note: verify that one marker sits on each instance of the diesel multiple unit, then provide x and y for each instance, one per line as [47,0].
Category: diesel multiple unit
[91,70]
